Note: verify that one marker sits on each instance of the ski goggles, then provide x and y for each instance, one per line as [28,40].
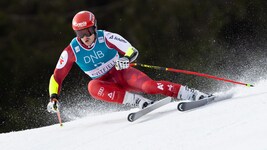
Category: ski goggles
[85,32]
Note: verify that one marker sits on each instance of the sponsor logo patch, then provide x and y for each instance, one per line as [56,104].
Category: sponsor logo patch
[170,87]
[77,49]
[80,24]
[101,91]
[101,39]
[62,60]
[111,95]
[160,86]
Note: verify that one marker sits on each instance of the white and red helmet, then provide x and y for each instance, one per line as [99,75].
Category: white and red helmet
[84,24]
[82,20]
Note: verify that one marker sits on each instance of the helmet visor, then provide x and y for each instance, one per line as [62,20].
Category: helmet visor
[85,32]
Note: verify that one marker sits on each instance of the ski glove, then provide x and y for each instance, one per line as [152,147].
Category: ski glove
[53,106]
[122,63]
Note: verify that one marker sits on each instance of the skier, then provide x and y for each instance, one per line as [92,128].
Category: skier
[105,57]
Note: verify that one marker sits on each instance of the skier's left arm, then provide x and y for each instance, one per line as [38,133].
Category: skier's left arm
[125,49]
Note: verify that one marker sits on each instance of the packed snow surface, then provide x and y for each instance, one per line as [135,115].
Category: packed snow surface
[239,123]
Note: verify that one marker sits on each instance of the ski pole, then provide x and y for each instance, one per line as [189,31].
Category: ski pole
[189,72]
[59,118]
[56,107]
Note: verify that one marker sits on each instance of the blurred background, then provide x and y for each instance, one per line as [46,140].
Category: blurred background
[225,38]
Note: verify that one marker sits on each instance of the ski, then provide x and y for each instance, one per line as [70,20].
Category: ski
[187,105]
[136,115]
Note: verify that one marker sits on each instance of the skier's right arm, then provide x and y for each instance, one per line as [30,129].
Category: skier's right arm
[62,69]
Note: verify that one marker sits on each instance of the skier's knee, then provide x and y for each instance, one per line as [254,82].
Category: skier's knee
[92,88]
[150,87]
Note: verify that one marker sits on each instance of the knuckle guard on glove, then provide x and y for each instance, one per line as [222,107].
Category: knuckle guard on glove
[122,63]
[53,106]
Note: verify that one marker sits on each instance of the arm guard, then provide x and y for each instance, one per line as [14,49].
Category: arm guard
[53,88]
[131,54]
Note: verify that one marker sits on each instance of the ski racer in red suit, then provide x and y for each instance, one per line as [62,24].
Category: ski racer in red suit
[105,57]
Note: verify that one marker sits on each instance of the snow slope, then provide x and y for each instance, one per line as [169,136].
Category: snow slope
[239,123]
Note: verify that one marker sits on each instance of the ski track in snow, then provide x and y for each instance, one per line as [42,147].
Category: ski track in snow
[239,123]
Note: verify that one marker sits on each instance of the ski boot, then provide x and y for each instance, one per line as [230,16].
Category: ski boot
[186,93]
[136,100]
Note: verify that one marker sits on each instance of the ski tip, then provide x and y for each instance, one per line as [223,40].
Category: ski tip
[131,117]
